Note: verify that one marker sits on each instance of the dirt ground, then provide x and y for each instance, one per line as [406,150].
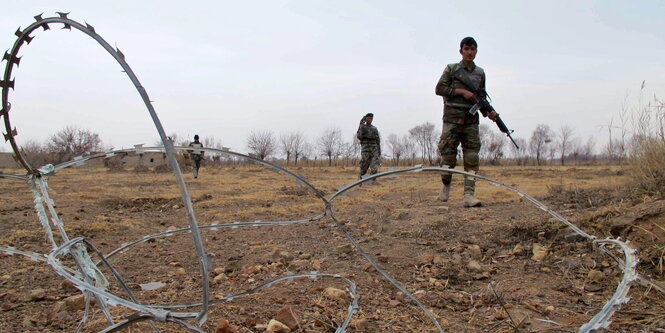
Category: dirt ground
[473,268]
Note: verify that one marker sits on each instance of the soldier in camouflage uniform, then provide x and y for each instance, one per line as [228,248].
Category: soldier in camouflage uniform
[197,155]
[370,143]
[459,125]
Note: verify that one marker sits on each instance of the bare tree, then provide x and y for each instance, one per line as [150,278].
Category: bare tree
[540,137]
[520,155]
[330,143]
[566,141]
[73,141]
[286,145]
[492,145]
[262,144]
[299,145]
[425,136]
[396,147]
[35,153]
[410,150]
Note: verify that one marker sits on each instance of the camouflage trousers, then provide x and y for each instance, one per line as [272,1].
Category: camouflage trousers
[451,137]
[197,164]
[371,159]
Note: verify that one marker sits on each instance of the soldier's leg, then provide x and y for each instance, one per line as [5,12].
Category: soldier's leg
[374,162]
[364,162]
[448,149]
[470,149]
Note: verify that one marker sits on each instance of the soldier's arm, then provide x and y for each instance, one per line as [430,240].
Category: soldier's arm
[443,87]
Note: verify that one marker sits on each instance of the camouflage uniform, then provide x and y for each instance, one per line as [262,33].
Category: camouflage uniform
[196,155]
[459,126]
[370,143]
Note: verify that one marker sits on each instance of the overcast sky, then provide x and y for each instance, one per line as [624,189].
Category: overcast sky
[225,68]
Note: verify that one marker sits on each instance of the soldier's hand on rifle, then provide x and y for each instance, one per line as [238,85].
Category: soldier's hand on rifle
[492,115]
[469,96]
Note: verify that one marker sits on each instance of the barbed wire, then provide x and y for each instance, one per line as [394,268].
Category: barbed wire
[88,276]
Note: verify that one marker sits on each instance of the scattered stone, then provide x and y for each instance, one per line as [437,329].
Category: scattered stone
[68,286]
[475,252]
[346,248]
[359,324]
[280,255]
[151,285]
[181,271]
[425,258]
[76,302]
[439,260]
[288,316]
[539,252]
[518,249]
[218,270]
[335,294]
[403,216]
[225,327]
[420,294]
[219,278]
[275,326]
[593,287]
[37,294]
[595,275]
[316,264]
[250,269]
[474,266]
[442,209]
[394,302]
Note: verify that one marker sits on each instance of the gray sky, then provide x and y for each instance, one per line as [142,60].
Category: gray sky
[224,68]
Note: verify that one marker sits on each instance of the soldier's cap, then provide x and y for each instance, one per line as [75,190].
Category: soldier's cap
[369,115]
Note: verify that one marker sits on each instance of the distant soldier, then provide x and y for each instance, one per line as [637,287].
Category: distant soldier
[197,155]
[459,125]
[370,143]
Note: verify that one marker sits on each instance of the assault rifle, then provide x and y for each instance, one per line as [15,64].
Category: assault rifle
[483,105]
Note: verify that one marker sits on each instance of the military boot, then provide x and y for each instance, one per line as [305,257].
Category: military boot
[445,192]
[469,189]
[471,201]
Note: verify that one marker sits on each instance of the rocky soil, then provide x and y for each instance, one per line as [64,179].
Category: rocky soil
[503,267]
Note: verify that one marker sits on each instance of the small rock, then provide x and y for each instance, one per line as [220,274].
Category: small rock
[76,302]
[425,258]
[180,271]
[439,260]
[394,302]
[225,327]
[335,294]
[37,294]
[539,252]
[474,266]
[420,294]
[275,326]
[280,255]
[68,286]
[359,324]
[518,249]
[218,270]
[316,264]
[219,278]
[346,248]
[595,275]
[288,316]
[475,252]
[442,209]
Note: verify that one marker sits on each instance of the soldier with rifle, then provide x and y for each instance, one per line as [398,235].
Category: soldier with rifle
[462,87]
[370,144]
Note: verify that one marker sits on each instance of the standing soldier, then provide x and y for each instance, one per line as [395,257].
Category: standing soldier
[459,125]
[197,155]
[370,143]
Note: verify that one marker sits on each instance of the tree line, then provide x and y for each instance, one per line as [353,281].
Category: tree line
[417,146]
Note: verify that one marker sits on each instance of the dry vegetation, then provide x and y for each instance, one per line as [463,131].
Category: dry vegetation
[423,243]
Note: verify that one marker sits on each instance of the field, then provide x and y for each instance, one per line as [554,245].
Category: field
[476,270]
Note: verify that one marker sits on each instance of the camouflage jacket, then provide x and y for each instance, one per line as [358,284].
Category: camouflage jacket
[368,135]
[456,107]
